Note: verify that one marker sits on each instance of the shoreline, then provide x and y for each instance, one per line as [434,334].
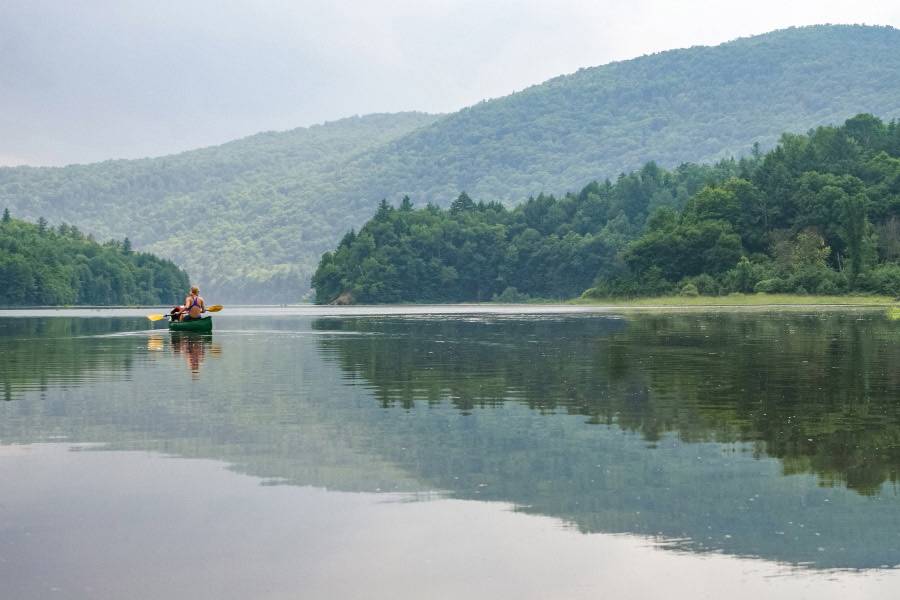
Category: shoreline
[739,300]
[576,307]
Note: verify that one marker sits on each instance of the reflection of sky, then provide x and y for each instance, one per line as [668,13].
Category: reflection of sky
[192,529]
[290,415]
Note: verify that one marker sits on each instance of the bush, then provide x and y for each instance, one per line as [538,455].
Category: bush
[706,284]
[883,279]
[689,290]
[744,277]
[649,283]
[816,280]
[769,286]
[512,296]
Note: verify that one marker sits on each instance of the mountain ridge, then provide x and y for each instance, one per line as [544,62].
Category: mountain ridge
[688,105]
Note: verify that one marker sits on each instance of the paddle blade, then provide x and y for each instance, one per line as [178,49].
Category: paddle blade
[156,317]
[214,308]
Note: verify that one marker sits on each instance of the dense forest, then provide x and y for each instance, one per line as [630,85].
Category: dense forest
[50,266]
[250,219]
[820,213]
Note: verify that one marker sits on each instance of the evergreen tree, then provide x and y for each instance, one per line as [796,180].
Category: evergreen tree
[462,204]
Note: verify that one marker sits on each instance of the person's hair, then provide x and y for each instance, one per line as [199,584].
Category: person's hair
[195,289]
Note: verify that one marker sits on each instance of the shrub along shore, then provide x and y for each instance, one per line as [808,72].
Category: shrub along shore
[744,300]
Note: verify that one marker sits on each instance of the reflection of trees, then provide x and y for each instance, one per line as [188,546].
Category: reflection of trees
[41,352]
[270,408]
[816,391]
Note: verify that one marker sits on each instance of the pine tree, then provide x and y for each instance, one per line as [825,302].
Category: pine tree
[384,210]
[461,204]
[6,217]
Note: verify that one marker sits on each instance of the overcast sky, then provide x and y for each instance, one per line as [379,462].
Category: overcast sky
[87,80]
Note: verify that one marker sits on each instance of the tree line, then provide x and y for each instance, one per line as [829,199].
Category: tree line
[50,266]
[818,214]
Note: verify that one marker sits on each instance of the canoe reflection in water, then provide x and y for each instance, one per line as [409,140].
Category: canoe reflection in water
[194,347]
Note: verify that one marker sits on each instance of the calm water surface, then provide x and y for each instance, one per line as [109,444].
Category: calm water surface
[463,452]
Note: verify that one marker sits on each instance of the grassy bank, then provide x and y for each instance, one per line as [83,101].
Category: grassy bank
[741,300]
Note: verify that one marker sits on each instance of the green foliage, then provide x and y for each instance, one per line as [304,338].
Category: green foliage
[251,218]
[773,285]
[511,296]
[239,217]
[706,285]
[801,219]
[547,247]
[883,279]
[46,267]
[689,290]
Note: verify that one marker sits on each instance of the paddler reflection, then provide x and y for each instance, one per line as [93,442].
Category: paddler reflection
[194,348]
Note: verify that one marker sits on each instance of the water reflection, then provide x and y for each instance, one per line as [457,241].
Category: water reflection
[41,353]
[126,517]
[193,347]
[817,391]
[768,436]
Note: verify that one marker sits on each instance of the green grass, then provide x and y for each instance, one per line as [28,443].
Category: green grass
[741,300]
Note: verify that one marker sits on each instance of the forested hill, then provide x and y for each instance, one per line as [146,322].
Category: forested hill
[818,214]
[235,216]
[265,224]
[50,266]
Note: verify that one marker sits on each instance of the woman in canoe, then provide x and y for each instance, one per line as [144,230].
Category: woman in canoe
[194,306]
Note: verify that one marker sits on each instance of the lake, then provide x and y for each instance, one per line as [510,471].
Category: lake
[451,452]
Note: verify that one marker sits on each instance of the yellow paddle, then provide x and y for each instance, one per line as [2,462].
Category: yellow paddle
[213,308]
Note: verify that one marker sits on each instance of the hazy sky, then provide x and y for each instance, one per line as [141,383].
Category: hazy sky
[87,80]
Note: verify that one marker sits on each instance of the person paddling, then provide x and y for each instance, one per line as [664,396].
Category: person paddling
[194,306]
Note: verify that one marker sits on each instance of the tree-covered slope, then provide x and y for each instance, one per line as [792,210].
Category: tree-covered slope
[47,266]
[693,105]
[820,213]
[272,209]
[219,211]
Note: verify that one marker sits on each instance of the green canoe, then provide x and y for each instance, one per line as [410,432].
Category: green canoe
[203,325]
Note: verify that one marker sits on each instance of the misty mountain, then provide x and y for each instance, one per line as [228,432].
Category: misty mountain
[249,219]
[217,211]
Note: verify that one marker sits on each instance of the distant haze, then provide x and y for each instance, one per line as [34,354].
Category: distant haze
[92,80]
